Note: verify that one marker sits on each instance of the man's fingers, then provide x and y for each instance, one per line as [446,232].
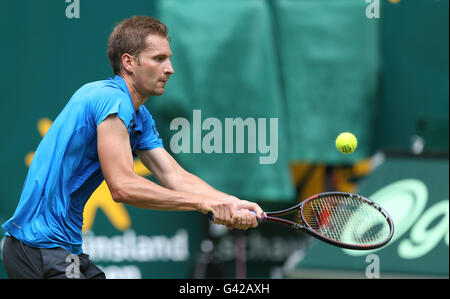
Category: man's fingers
[238,214]
[224,213]
[243,204]
[244,219]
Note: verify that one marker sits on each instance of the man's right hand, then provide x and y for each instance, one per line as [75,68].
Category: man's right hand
[235,213]
[224,211]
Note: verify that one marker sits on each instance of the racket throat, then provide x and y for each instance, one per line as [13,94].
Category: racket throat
[297,226]
[293,225]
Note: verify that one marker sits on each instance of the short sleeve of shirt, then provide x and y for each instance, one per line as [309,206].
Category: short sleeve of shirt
[112,103]
[149,138]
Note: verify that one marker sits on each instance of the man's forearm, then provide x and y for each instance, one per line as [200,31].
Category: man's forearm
[142,193]
[187,182]
[188,193]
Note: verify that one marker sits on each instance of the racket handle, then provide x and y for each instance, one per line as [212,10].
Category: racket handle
[264,216]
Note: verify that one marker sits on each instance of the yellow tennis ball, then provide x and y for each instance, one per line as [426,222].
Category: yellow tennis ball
[346,143]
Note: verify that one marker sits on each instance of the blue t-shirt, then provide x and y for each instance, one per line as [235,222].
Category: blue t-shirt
[65,170]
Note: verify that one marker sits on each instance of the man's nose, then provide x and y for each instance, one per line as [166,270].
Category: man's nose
[169,68]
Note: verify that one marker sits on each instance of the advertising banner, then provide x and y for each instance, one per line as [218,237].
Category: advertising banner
[415,192]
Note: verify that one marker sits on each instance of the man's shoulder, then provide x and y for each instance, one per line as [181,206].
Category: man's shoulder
[103,87]
[99,93]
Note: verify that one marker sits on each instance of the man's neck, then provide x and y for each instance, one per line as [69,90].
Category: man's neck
[137,98]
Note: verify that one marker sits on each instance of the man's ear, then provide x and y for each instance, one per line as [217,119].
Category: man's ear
[127,63]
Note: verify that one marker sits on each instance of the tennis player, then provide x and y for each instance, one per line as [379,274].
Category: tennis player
[93,139]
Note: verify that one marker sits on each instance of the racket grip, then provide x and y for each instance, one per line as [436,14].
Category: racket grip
[264,216]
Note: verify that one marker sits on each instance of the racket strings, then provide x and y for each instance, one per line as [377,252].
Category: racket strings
[346,220]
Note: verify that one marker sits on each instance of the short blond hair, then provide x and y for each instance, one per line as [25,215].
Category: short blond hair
[129,37]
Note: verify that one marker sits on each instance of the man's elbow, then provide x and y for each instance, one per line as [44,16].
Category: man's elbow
[120,193]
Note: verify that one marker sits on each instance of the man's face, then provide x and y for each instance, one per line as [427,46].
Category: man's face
[154,67]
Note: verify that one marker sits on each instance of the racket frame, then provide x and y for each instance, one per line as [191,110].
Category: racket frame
[270,217]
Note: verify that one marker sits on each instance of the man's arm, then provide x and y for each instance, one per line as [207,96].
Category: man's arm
[116,160]
[171,175]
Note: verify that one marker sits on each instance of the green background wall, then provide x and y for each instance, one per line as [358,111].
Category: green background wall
[319,67]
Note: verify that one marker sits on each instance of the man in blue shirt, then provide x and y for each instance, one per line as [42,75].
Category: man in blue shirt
[93,139]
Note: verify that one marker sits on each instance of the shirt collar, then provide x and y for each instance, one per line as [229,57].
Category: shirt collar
[123,85]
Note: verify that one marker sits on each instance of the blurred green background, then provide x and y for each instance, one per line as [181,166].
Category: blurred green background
[319,67]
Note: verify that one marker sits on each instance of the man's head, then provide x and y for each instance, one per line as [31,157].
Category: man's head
[138,48]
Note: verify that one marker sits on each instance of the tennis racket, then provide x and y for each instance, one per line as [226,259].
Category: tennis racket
[341,219]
